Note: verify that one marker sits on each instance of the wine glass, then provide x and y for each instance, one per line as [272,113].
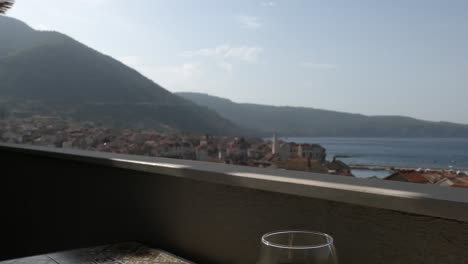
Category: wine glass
[297,247]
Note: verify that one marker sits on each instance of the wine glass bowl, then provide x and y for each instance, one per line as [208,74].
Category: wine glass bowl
[297,247]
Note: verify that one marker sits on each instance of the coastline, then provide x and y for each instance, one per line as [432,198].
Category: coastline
[382,172]
[395,168]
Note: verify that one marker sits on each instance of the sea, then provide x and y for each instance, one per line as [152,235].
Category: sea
[440,153]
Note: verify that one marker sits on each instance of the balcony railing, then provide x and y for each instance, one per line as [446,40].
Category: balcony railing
[56,199]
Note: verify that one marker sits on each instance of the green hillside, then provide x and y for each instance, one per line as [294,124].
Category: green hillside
[61,74]
[301,121]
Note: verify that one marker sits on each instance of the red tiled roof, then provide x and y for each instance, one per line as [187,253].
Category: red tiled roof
[418,177]
[460,185]
[462,180]
[433,177]
[415,177]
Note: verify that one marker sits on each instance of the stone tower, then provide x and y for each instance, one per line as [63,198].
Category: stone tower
[275,144]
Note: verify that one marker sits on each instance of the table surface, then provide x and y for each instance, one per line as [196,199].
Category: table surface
[123,253]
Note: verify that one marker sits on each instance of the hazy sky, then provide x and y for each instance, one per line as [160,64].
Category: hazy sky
[398,57]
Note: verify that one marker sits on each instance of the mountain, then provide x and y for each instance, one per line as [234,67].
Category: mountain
[301,121]
[52,73]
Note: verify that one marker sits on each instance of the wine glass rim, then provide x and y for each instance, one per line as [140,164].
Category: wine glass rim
[268,243]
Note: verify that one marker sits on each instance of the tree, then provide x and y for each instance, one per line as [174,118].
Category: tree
[5,5]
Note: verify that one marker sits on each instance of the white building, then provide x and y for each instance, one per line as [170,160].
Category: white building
[285,151]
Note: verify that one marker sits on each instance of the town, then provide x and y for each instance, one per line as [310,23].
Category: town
[57,132]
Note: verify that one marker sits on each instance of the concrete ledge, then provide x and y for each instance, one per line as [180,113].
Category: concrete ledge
[428,200]
[57,200]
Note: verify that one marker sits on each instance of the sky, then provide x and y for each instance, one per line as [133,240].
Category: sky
[399,57]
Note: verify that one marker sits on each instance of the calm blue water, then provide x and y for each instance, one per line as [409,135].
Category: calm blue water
[398,152]
[371,173]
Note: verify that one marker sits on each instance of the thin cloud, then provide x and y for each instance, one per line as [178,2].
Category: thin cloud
[174,77]
[318,66]
[169,76]
[249,22]
[223,52]
[268,4]
[226,66]
[96,3]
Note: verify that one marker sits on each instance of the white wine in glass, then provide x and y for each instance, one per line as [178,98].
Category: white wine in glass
[297,247]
